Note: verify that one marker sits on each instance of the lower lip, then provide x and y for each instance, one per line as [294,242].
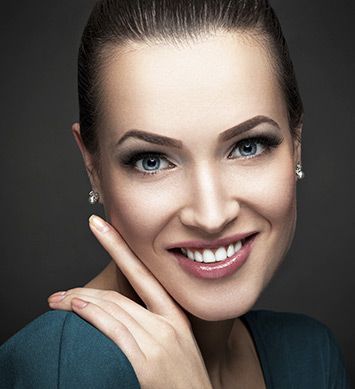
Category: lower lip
[216,270]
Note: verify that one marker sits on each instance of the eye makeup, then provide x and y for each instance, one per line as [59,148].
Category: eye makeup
[268,142]
[132,159]
[129,160]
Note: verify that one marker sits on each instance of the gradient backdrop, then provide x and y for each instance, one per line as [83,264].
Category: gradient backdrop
[45,242]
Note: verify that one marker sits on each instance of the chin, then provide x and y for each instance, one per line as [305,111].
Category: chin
[229,307]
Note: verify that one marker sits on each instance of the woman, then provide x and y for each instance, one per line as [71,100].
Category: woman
[190,130]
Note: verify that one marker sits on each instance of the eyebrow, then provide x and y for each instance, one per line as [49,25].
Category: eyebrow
[171,142]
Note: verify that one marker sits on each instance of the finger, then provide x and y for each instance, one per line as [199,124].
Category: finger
[130,306]
[142,323]
[142,280]
[111,327]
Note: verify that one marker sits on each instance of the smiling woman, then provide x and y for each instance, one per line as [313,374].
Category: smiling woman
[190,131]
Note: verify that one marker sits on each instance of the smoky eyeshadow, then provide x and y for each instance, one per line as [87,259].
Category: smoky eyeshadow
[140,149]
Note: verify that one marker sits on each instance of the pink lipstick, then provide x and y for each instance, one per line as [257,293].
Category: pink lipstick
[218,269]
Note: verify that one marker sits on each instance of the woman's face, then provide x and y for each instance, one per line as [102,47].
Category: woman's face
[201,186]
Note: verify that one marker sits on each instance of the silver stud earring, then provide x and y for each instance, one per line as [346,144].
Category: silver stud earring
[94,197]
[299,172]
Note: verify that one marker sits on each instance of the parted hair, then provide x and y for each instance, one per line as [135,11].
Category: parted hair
[114,23]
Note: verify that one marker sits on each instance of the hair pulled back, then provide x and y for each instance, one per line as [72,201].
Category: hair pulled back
[118,22]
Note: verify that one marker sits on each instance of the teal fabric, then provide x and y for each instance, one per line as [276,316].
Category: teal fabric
[296,351]
[60,350]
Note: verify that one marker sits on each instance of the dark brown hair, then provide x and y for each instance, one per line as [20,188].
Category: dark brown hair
[118,22]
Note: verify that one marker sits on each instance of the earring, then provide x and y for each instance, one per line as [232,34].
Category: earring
[94,197]
[299,172]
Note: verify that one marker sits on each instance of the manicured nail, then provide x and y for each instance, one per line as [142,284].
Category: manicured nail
[56,297]
[61,293]
[98,224]
[78,303]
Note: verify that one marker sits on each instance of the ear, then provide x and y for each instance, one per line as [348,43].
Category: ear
[88,158]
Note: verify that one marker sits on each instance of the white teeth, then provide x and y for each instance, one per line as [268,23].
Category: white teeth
[237,246]
[230,250]
[198,256]
[220,254]
[208,256]
[190,254]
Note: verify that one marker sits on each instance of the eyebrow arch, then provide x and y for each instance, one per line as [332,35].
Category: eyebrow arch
[171,142]
[246,126]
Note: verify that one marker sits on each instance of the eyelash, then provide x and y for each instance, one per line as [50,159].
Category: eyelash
[132,159]
[269,142]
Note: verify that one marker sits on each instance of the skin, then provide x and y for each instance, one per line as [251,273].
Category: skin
[190,93]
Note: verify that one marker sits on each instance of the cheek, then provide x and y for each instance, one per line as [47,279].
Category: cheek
[273,199]
[278,195]
[270,192]
[138,211]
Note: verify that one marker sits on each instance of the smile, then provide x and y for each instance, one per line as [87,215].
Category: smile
[214,262]
[211,256]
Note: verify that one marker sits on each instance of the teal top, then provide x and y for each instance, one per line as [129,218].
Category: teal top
[61,350]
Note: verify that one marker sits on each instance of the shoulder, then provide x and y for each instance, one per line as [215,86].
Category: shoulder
[300,347]
[60,349]
[33,352]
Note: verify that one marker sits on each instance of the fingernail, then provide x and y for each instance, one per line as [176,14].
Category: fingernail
[61,293]
[56,297]
[98,224]
[78,303]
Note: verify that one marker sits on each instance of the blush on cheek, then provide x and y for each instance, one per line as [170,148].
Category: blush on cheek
[279,199]
[131,215]
[138,213]
[273,193]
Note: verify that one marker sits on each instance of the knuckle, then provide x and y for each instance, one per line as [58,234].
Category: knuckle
[110,295]
[74,291]
[167,332]
[117,331]
[156,353]
[110,308]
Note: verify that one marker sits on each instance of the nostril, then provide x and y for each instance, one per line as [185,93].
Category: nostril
[210,217]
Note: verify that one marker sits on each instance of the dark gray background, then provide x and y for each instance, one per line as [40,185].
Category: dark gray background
[45,243]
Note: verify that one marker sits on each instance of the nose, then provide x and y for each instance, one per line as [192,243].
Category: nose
[212,203]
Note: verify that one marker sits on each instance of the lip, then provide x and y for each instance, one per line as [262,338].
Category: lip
[211,244]
[216,270]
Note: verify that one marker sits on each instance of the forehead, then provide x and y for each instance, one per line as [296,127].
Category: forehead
[215,82]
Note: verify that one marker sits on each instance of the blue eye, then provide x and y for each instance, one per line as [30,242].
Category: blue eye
[252,147]
[148,163]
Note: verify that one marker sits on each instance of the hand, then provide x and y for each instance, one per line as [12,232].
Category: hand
[157,340]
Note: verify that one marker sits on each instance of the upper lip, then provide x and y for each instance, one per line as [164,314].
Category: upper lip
[211,244]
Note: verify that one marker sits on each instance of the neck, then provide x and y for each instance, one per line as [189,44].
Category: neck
[213,339]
